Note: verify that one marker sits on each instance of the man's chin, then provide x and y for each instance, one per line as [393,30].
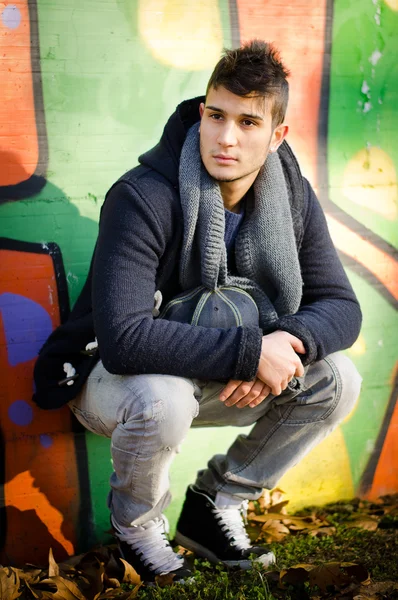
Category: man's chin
[230,180]
[223,177]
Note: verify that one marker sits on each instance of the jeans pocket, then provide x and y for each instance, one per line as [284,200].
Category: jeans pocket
[308,407]
[90,421]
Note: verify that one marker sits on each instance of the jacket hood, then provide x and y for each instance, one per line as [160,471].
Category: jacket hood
[165,156]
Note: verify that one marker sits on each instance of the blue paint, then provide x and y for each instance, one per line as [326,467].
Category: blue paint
[27,325]
[20,413]
[11,17]
[46,440]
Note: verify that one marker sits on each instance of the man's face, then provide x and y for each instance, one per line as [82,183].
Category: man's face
[236,135]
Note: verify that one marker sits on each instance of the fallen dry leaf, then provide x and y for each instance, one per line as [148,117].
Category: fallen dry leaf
[40,594]
[276,495]
[280,506]
[66,589]
[29,574]
[322,531]
[296,575]
[326,577]
[110,582]
[269,499]
[9,583]
[92,569]
[376,591]
[53,569]
[293,523]
[273,531]
[357,572]
[363,523]
[130,574]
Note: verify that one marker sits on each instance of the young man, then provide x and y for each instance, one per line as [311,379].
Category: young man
[219,201]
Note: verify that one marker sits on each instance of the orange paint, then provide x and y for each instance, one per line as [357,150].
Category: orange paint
[298,30]
[383,266]
[385,480]
[41,485]
[19,151]
[23,495]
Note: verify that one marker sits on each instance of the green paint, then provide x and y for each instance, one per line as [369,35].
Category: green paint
[99,469]
[356,37]
[223,7]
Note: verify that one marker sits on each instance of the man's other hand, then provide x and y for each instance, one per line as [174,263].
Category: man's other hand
[243,393]
[279,360]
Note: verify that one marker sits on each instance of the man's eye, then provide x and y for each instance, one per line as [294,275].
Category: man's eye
[248,123]
[216,116]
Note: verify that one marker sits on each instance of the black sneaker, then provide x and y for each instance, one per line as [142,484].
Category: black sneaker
[149,552]
[218,534]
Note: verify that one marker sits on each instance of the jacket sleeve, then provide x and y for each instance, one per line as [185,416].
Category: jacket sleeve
[329,318]
[132,239]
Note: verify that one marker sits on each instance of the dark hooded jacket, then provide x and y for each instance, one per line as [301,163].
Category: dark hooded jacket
[137,253]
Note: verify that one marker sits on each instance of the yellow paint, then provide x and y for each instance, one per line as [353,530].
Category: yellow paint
[324,475]
[21,493]
[359,348]
[393,4]
[184,35]
[370,180]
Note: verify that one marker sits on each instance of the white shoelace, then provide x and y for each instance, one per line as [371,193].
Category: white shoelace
[231,520]
[150,541]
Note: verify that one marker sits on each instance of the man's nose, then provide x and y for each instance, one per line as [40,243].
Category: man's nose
[227,135]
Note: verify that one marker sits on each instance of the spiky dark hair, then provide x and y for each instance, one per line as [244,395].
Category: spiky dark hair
[255,68]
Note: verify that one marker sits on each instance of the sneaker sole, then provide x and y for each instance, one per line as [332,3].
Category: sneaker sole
[182,540]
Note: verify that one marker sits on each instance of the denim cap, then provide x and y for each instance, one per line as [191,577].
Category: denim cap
[223,307]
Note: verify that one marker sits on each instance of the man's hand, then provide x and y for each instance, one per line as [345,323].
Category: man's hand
[243,393]
[279,362]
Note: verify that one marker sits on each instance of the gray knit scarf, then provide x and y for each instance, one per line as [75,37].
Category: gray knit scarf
[265,249]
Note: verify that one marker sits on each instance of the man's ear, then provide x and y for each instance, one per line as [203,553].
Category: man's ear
[278,135]
[201,109]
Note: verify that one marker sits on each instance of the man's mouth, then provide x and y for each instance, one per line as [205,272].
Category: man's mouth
[224,158]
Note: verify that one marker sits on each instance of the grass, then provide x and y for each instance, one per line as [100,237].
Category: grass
[377,551]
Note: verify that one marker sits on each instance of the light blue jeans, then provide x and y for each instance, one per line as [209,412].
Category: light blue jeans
[148,416]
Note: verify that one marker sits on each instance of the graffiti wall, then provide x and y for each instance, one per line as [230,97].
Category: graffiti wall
[86,87]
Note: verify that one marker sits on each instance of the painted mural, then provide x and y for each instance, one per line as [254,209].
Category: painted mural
[86,88]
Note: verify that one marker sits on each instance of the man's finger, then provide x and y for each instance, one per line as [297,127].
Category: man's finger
[229,389]
[276,388]
[299,370]
[246,388]
[252,395]
[264,394]
[297,345]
